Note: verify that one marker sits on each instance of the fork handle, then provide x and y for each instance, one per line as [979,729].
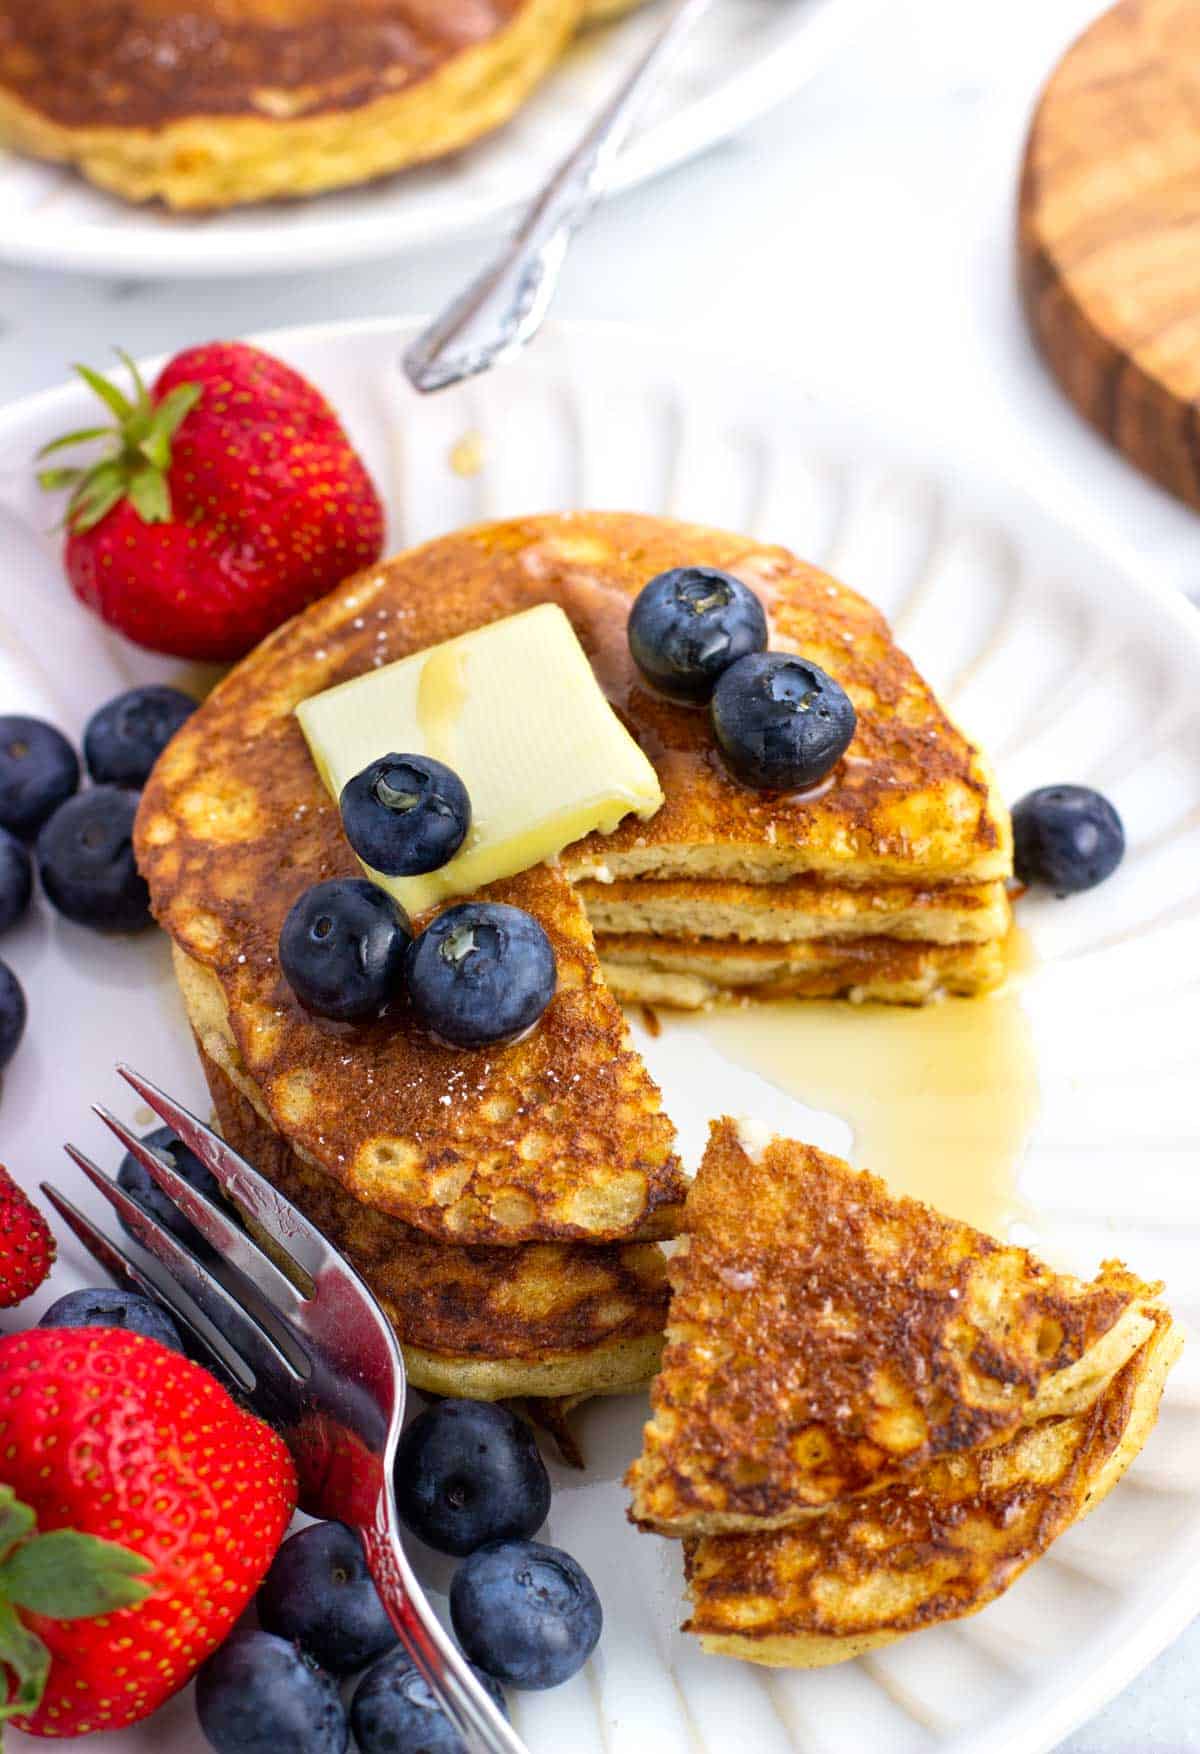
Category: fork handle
[475,1717]
[504,307]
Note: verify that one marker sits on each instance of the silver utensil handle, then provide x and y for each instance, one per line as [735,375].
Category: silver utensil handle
[505,306]
[475,1717]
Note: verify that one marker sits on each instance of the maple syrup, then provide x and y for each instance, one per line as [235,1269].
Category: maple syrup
[940,1098]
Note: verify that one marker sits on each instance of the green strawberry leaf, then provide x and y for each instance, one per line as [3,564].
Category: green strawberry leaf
[96,495]
[130,365]
[150,495]
[75,438]
[169,415]
[26,1657]
[53,480]
[138,462]
[108,393]
[16,1519]
[72,1576]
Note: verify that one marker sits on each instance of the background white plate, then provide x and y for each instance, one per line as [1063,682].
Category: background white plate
[1067,665]
[742,58]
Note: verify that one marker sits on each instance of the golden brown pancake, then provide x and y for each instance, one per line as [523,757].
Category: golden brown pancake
[206,103]
[548,1319]
[798,909]
[943,1544]
[560,1137]
[827,1336]
[691,972]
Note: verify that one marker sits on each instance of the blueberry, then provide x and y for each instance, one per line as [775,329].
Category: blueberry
[12,1014]
[86,863]
[1068,837]
[258,1694]
[394,1712]
[469,1472]
[481,973]
[526,1613]
[781,722]
[142,1188]
[106,1307]
[342,948]
[405,814]
[38,771]
[687,626]
[126,737]
[319,1593]
[16,879]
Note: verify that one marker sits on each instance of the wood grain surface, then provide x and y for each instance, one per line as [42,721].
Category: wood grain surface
[1109,233]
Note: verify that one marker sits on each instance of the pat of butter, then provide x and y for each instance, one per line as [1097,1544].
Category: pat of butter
[515,710]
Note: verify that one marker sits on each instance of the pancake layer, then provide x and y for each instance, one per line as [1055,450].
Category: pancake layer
[688,973]
[249,100]
[797,909]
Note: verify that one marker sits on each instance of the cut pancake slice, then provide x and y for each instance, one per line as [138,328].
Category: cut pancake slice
[941,1545]
[548,1319]
[690,972]
[827,1337]
[796,909]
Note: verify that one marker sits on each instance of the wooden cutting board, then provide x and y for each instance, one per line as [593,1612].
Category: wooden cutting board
[1109,233]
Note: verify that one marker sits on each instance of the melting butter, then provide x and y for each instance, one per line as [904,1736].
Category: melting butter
[516,711]
[940,1098]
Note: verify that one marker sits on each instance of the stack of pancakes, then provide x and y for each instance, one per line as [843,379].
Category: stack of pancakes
[871,1418]
[506,1205]
[206,103]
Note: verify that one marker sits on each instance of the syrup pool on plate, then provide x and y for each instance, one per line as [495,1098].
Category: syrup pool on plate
[939,1099]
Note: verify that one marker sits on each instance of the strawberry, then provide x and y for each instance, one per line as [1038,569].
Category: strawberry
[176,1501]
[228,498]
[26,1244]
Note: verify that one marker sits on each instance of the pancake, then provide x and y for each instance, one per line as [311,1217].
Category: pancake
[207,103]
[549,1319]
[691,972]
[796,909]
[942,1545]
[560,1137]
[827,1337]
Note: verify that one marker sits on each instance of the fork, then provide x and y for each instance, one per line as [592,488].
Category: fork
[309,1349]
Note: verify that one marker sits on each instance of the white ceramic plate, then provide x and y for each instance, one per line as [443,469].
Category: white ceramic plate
[1067,665]
[742,58]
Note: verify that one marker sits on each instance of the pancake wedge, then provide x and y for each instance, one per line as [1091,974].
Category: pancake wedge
[548,1319]
[941,1545]
[827,1337]
[250,100]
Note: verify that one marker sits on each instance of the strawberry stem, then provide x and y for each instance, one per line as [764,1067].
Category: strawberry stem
[138,458]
